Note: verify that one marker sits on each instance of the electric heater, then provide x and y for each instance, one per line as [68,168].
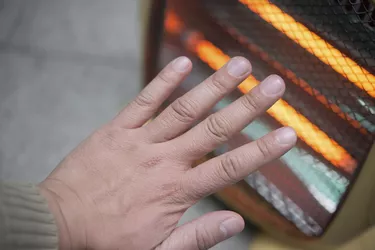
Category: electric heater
[323,189]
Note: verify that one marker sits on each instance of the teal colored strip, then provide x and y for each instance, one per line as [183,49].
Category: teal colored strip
[308,169]
[356,116]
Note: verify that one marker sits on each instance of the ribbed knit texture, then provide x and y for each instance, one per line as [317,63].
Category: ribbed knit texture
[25,220]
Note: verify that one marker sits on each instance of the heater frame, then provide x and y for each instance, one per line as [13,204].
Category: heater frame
[356,213]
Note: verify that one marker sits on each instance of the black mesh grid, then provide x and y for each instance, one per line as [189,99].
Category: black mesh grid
[321,87]
[259,33]
[363,10]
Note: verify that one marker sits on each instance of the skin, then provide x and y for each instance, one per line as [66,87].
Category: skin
[129,183]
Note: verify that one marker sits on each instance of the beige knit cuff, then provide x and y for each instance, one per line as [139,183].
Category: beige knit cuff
[25,220]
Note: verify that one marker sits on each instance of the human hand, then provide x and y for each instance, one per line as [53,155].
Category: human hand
[128,184]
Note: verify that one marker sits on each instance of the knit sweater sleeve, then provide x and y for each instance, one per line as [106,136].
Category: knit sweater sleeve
[25,220]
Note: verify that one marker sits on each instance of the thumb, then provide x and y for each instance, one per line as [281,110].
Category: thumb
[204,232]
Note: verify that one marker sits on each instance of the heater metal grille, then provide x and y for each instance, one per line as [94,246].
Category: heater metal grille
[283,204]
[325,51]
[363,9]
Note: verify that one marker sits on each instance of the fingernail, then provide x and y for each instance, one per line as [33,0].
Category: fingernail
[181,64]
[238,67]
[272,85]
[231,226]
[286,136]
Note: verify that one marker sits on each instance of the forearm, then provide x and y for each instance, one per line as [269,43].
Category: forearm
[25,219]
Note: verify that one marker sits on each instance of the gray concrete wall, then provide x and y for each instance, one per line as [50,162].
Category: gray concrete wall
[67,67]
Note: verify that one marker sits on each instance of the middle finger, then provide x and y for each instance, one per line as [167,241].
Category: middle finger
[184,111]
[219,127]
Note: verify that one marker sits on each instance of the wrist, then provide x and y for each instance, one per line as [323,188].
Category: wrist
[63,206]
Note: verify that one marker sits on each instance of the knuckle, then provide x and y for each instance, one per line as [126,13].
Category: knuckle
[166,76]
[251,102]
[229,168]
[218,128]
[115,138]
[264,147]
[188,192]
[110,132]
[217,83]
[151,162]
[144,99]
[203,237]
[109,137]
[180,194]
[184,110]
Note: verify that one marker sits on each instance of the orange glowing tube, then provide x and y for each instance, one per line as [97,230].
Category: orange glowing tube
[314,44]
[306,87]
[172,23]
[174,26]
[281,110]
[284,113]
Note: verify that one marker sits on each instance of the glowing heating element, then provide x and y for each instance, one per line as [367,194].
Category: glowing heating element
[306,87]
[284,113]
[174,26]
[313,44]
[172,23]
[281,110]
